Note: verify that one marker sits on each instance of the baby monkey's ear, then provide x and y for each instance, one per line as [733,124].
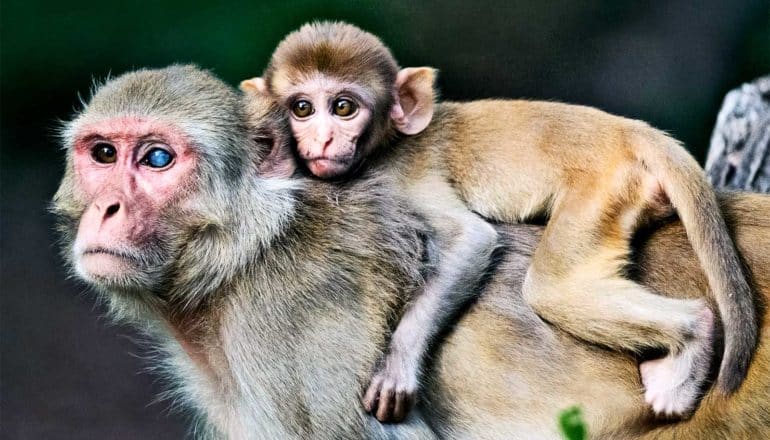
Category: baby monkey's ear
[414,98]
[254,85]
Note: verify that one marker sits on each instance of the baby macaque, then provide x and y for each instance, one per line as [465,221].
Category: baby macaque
[596,177]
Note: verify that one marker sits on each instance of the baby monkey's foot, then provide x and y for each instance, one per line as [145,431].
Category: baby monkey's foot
[392,392]
[673,383]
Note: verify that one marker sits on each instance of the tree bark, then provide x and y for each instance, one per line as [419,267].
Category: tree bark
[739,154]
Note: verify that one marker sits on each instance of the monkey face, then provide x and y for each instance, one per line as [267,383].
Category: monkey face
[345,94]
[128,171]
[328,118]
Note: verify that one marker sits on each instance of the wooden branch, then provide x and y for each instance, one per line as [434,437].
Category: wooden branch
[739,155]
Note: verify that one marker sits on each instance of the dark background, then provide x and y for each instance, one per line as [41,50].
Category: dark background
[66,371]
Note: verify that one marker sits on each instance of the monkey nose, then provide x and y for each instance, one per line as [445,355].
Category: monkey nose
[323,138]
[111,210]
[108,209]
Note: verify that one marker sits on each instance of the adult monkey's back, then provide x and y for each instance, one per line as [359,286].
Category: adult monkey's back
[272,297]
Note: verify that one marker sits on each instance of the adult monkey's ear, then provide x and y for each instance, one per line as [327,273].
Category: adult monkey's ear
[269,127]
[414,98]
[254,85]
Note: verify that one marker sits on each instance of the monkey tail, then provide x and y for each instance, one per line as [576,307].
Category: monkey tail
[685,184]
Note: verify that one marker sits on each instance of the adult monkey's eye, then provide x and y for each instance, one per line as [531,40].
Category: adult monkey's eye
[104,153]
[302,108]
[344,107]
[157,158]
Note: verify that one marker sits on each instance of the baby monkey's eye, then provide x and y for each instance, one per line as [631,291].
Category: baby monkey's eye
[302,108]
[344,107]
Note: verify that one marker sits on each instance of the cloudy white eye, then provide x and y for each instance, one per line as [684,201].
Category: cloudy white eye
[157,157]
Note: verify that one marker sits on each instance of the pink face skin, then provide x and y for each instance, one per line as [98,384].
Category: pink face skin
[327,137]
[128,170]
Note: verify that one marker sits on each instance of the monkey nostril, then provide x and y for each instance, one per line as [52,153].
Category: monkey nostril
[111,210]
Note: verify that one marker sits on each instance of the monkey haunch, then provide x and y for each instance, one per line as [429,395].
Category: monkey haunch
[271,297]
[597,178]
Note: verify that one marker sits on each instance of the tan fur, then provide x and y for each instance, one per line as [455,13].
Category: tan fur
[513,160]
[595,176]
[272,315]
[511,362]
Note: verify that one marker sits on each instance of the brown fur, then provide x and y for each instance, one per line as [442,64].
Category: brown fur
[598,178]
[340,51]
[278,296]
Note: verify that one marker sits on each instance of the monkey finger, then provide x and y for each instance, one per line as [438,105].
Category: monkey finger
[401,406]
[411,400]
[385,406]
[372,395]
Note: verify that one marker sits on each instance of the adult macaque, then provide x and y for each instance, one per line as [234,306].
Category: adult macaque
[597,177]
[271,298]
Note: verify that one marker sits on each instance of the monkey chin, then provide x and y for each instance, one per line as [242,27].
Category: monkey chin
[327,168]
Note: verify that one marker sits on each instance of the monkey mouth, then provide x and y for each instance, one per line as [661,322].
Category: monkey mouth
[111,252]
[331,159]
[103,263]
[105,266]
[323,161]
[329,167]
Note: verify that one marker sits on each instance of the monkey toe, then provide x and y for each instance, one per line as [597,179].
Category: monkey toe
[670,389]
[673,383]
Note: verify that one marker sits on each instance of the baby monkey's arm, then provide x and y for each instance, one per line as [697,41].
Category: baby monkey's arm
[465,242]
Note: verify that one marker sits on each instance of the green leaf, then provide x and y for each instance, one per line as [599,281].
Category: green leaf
[572,425]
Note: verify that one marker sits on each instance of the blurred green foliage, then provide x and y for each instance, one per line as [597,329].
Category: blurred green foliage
[571,424]
[51,39]
[668,62]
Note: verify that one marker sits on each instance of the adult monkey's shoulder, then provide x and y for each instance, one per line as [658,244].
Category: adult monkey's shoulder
[295,365]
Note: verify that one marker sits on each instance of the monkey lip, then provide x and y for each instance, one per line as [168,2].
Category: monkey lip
[328,167]
[104,263]
[105,251]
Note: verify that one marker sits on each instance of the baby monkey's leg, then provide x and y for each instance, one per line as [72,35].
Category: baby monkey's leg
[575,283]
[466,243]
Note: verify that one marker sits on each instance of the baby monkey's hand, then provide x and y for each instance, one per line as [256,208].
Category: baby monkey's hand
[393,390]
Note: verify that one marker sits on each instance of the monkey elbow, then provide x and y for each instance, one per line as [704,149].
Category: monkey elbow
[482,238]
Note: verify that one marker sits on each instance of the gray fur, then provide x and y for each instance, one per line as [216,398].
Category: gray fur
[291,290]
